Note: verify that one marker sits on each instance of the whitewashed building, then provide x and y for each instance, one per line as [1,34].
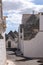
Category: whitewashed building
[2,36]
[11,40]
[32,47]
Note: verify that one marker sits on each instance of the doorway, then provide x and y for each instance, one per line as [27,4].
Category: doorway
[9,44]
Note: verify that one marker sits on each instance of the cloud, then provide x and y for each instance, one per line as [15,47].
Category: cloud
[41,10]
[15,8]
[21,4]
[11,26]
[28,11]
[12,5]
[14,18]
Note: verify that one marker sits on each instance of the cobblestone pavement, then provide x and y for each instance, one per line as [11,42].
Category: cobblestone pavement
[20,60]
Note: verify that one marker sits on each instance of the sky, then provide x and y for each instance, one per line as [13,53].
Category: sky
[14,9]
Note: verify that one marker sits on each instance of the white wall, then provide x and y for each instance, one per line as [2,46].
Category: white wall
[34,47]
[41,21]
[21,46]
[2,51]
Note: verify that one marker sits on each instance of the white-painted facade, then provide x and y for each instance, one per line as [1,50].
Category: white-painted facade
[13,43]
[33,47]
[2,41]
[2,51]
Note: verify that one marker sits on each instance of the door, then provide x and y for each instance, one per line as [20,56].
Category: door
[9,44]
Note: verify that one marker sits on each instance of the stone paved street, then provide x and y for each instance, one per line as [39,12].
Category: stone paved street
[20,60]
